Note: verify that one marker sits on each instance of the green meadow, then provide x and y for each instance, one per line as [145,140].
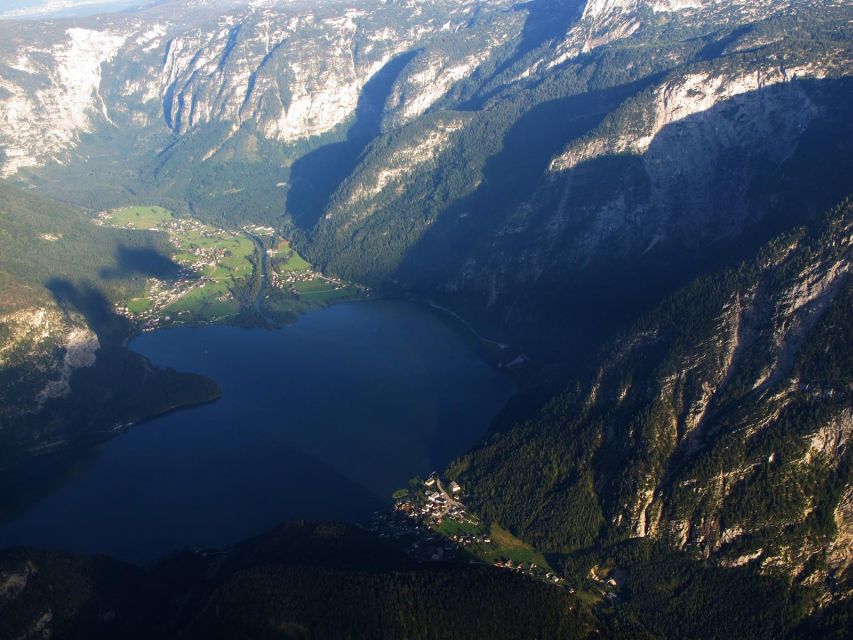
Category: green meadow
[140,217]
[221,275]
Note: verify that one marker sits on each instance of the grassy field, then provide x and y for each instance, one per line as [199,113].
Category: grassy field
[509,547]
[450,527]
[285,258]
[300,288]
[218,266]
[503,546]
[139,217]
[140,305]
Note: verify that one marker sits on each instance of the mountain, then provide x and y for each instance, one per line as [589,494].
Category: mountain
[644,205]
[703,467]
[505,160]
[66,376]
[298,581]
[719,424]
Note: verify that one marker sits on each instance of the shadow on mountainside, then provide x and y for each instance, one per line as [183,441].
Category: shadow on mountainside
[716,48]
[120,388]
[602,242]
[89,301]
[546,21]
[141,261]
[318,174]
[512,174]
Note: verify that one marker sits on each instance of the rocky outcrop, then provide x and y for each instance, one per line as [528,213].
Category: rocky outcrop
[42,347]
[398,164]
[290,72]
[44,122]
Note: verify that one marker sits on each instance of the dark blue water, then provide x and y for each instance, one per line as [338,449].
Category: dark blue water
[320,420]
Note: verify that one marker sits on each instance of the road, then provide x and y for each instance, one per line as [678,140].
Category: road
[450,501]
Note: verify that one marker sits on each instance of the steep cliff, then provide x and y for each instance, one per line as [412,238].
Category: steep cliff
[641,161]
[291,72]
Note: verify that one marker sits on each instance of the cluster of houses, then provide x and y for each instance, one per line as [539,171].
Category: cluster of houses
[606,582]
[288,280]
[464,539]
[529,568]
[162,295]
[416,518]
[435,509]
[422,543]
[259,230]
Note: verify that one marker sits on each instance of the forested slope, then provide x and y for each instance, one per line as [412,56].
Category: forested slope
[299,581]
[65,374]
[719,424]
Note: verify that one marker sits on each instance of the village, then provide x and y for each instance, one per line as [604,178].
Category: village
[432,524]
[291,279]
[160,297]
[210,262]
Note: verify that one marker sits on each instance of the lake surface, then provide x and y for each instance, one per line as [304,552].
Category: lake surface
[319,420]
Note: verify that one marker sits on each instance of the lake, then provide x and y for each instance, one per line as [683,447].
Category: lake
[323,419]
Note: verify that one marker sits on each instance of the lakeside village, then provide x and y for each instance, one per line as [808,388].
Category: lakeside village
[160,294]
[434,525]
[290,280]
[291,273]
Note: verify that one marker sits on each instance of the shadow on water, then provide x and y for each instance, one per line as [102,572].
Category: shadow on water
[27,481]
[316,175]
[25,484]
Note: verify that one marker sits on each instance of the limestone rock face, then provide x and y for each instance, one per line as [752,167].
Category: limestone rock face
[45,346]
[43,122]
[528,165]
[292,70]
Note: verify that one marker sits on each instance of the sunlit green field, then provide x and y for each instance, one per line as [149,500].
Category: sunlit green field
[138,305]
[223,279]
[294,262]
[221,273]
[221,260]
[140,217]
[321,290]
[506,545]
[503,546]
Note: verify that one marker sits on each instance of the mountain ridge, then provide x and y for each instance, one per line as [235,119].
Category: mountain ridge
[631,192]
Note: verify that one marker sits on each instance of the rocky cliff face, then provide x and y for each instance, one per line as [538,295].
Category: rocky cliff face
[580,156]
[42,348]
[293,71]
[722,403]
[51,94]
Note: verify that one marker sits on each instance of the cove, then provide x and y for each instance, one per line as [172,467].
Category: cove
[323,419]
